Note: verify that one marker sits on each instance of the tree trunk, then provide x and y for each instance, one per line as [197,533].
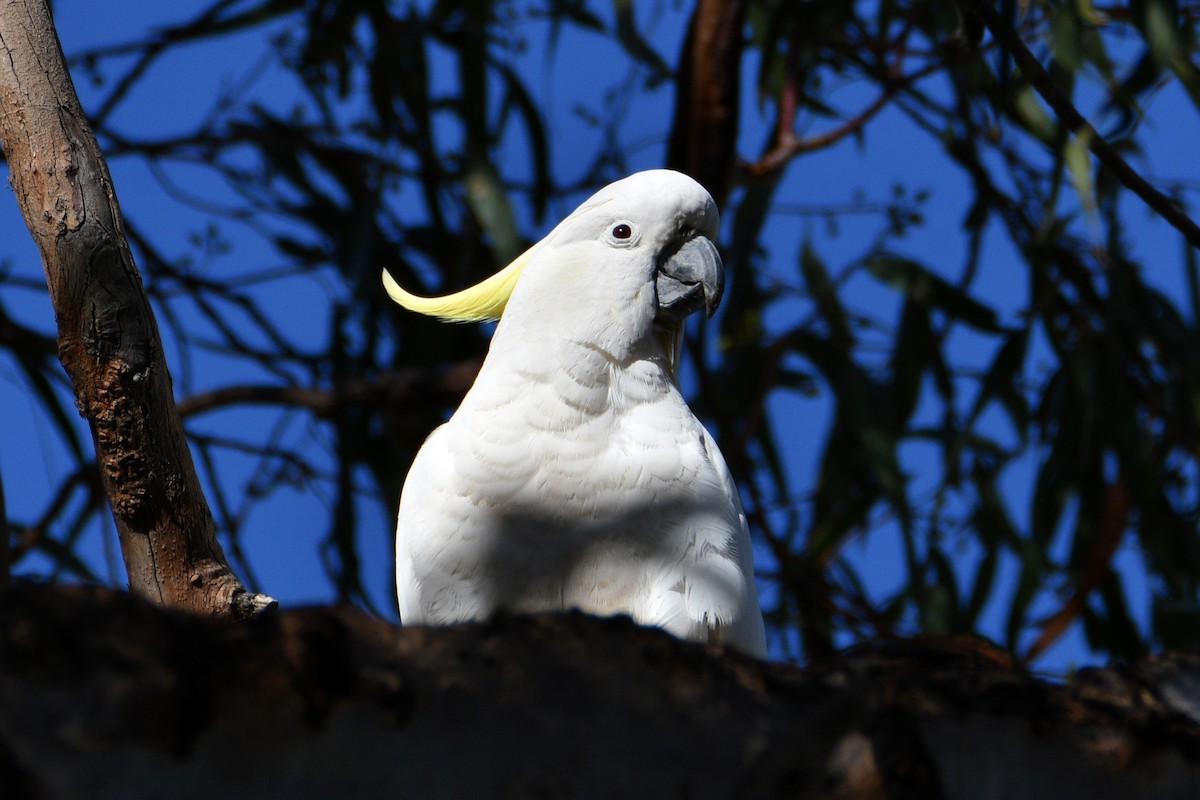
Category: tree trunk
[108,338]
[704,131]
[104,696]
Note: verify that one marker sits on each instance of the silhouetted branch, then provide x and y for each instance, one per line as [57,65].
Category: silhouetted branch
[790,145]
[33,534]
[390,389]
[1115,523]
[1070,116]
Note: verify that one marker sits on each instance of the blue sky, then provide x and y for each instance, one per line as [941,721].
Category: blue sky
[281,541]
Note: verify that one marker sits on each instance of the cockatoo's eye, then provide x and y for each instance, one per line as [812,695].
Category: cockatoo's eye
[623,233]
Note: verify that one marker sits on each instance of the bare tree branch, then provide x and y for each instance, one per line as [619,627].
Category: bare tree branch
[390,389]
[1099,563]
[108,339]
[791,145]
[33,534]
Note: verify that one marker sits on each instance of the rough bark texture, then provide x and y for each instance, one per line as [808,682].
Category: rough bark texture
[105,696]
[108,338]
[704,131]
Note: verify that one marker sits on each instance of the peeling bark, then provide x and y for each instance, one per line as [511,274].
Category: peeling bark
[108,339]
[104,696]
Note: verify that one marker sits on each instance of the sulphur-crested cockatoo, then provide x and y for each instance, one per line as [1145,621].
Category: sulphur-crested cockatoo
[574,475]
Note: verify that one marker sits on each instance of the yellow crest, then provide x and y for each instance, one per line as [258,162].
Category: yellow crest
[483,301]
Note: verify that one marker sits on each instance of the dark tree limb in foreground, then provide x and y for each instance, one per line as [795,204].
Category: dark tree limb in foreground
[104,696]
[108,338]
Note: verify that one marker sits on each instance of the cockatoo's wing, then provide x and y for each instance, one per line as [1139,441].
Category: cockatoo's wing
[746,631]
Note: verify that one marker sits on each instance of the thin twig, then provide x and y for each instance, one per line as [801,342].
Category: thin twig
[1113,525]
[389,389]
[791,145]
[85,476]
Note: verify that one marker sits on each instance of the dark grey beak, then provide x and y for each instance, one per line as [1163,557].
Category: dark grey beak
[691,278]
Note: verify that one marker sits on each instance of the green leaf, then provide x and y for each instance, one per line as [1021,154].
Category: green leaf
[941,612]
[911,354]
[1159,27]
[995,530]
[916,281]
[1078,159]
[1056,481]
[1029,583]
[1066,38]
[1000,382]
[575,11]
[489,203]
[1191,267]
[1029,111]
[637,47]
[802,381]
[1176,624]
[824,293]
[1114,630]
[1086,10]
[981,587]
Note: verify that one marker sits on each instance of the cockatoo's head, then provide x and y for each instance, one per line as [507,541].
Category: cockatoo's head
[633,260]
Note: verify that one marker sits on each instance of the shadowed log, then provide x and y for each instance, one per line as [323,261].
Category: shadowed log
[104,696]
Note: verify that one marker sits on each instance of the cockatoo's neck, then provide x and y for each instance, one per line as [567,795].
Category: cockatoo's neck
[579,324]
[565,385]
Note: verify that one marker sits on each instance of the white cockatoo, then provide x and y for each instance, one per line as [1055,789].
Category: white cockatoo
[574,475]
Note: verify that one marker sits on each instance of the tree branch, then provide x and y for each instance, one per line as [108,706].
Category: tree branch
[791,145]
[108,339]
[704,131]
[388,390]
[1011,42]
[1113,524]
[33,534]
